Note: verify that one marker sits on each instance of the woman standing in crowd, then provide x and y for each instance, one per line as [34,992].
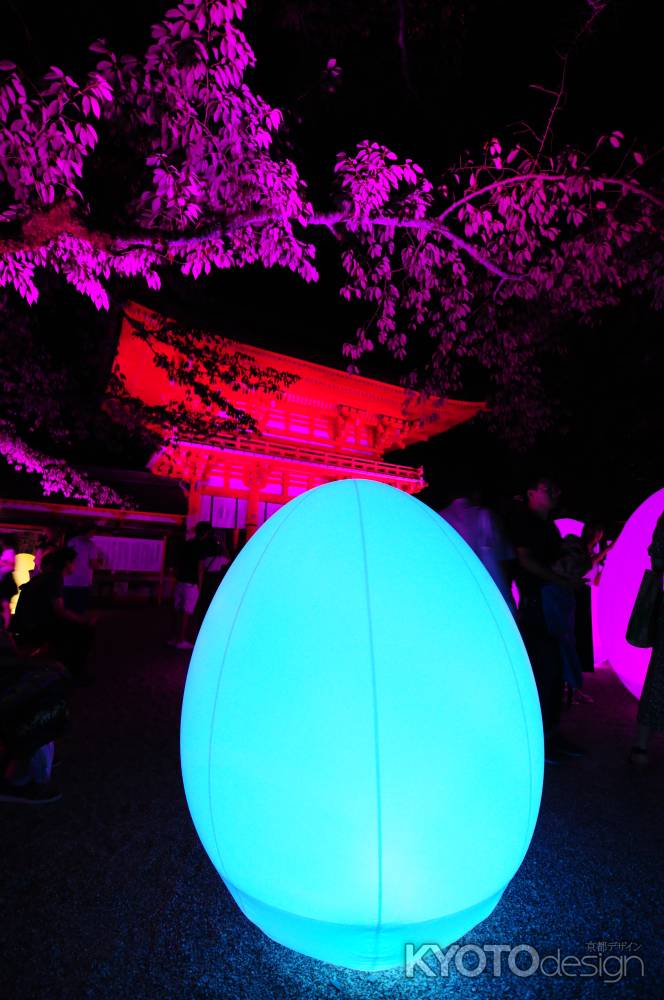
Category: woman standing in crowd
[214,569]
[49,541]
[537,544]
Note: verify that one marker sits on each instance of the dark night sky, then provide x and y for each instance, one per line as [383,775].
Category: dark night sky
[470,65]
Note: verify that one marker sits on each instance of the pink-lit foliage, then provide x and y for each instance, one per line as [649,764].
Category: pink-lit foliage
[213,197]
[55,474]
[478,260]
[35,398]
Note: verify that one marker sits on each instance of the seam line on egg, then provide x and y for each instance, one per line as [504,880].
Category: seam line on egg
[297,502]
[374,688]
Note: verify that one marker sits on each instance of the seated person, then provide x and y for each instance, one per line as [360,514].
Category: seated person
[25,777]
[42,618]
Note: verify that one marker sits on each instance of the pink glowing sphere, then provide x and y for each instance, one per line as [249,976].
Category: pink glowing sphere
[625,564]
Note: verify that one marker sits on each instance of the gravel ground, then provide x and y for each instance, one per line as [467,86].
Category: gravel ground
[108,893]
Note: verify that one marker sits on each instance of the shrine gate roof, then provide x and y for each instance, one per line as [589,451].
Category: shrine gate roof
[324,409]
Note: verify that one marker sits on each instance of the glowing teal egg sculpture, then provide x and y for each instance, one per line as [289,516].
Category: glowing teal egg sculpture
[361,737]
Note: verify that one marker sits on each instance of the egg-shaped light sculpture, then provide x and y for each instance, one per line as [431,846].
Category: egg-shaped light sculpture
[619,584]
[361,736]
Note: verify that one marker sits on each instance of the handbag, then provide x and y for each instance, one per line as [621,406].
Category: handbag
[33,704]
[642,626]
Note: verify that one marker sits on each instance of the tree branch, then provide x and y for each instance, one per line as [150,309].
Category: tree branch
[44,227]
[554,107]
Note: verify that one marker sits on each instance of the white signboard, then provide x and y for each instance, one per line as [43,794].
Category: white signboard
[130,555]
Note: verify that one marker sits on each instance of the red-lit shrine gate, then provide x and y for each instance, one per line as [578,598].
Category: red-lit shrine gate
[328,425]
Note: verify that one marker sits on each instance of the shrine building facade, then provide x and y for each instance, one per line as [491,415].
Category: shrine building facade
[327,425]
